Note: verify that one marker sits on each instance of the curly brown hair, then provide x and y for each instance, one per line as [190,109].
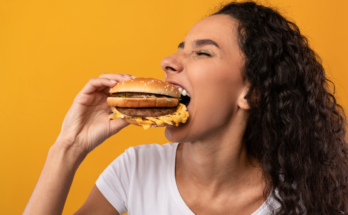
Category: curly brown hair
[296,129]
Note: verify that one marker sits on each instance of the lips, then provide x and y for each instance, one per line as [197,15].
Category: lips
[185,96]
[182,90]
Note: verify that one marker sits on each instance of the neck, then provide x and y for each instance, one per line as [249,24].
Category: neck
[219,162]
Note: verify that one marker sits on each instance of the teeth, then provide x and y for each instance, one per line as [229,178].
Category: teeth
[184,93]
[181,90]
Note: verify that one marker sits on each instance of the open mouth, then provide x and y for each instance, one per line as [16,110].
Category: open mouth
[185,100]
[185,97]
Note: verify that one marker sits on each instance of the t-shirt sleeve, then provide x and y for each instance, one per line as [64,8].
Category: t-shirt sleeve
[113,183]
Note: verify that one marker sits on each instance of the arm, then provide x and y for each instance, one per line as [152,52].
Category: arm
[96,203]
[85,126]
[55,180]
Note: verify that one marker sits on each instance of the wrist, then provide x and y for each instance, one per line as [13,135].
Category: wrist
[70,154]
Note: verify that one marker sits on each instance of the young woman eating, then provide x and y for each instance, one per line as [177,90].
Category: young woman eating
[265,135]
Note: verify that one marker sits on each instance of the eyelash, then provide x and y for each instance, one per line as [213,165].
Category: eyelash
[199,53]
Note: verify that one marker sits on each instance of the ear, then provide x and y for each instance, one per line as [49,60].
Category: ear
[242,102]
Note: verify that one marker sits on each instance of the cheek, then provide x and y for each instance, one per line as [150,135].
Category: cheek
[216,85]
[216,90]
[218,73]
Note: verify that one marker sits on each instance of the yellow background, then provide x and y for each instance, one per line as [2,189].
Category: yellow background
[50,49]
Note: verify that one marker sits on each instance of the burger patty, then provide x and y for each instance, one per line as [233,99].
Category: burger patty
[146,112]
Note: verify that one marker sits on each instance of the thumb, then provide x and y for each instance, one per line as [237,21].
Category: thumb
[116,125]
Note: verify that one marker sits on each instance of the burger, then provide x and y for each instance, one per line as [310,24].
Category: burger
[147,102]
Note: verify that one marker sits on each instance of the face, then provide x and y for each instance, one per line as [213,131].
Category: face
[208,66]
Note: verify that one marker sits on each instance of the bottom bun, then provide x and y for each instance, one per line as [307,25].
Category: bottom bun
[132,121]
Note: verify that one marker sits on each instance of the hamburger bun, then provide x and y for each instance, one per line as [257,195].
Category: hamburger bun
[146,85]
[131,121]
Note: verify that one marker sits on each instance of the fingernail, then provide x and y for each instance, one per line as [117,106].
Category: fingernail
[133,76]
[113,81]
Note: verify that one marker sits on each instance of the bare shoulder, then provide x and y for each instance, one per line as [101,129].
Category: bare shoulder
[95,204]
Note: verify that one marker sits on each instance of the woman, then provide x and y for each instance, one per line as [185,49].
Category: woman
[264,135]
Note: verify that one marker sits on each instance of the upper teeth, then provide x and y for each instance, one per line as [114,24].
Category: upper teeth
[183,92]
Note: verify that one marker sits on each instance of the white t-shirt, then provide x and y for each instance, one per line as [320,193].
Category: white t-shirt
[141,181]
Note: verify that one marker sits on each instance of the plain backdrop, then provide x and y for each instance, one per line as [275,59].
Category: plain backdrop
[50,49]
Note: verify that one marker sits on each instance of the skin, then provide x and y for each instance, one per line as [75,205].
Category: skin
[212,168]
[213,173]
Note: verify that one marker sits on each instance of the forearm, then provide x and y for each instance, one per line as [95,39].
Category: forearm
[53,186]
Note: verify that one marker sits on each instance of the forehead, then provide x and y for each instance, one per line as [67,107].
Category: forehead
[220,28]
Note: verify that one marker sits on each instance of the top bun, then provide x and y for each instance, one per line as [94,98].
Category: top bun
[146,85]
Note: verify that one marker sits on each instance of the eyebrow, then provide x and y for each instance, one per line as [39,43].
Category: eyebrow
[200,43]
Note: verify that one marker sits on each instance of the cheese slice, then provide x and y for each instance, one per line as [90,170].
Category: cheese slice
[145,123]
[115,114]
[179,116]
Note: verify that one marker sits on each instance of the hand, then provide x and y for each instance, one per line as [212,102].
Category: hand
[87,122]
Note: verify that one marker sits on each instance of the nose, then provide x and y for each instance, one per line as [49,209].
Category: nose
[172,63]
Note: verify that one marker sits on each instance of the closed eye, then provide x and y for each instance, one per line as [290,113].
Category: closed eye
[203,53]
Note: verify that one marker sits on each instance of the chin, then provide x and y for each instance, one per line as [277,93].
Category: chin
[177,134]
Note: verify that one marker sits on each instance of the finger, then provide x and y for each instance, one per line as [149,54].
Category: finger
[106,91]
[127,76]
[116,125]
[117,77]
[97,85]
